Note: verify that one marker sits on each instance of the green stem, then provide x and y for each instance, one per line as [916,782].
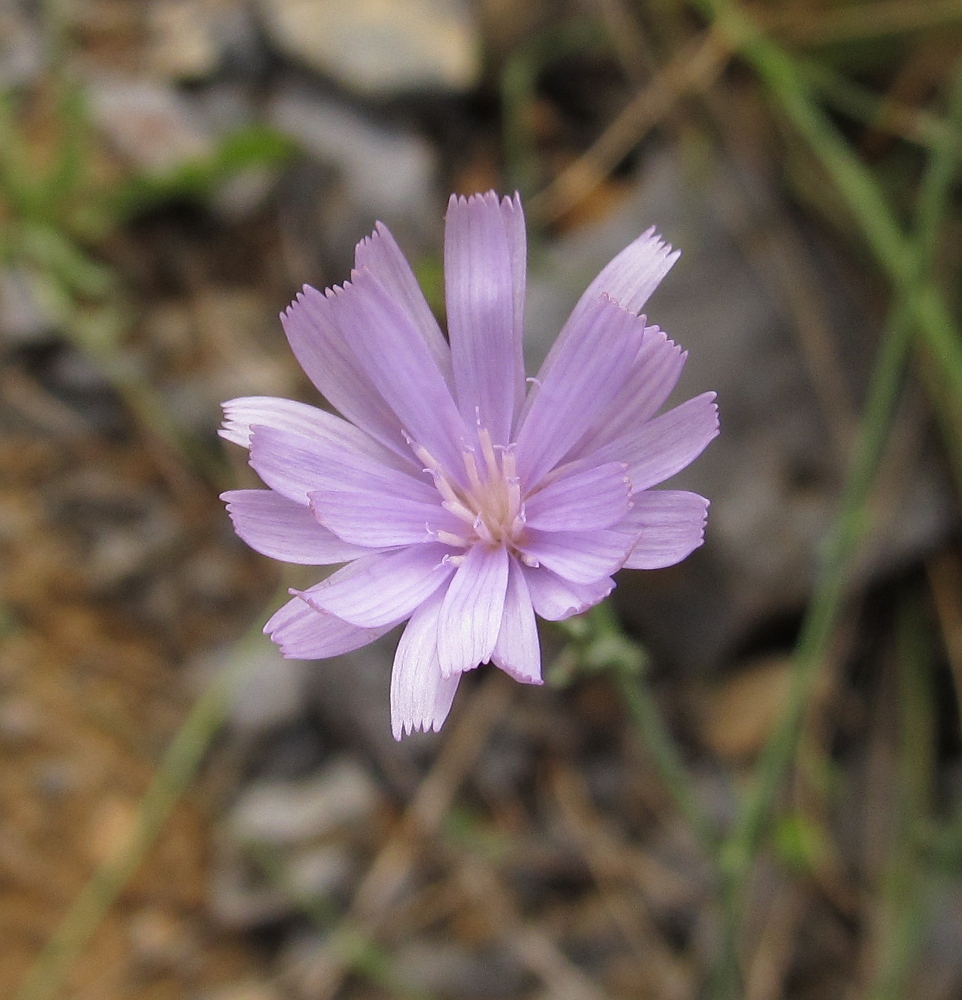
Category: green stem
[664,754]
[676,779]
[657,739]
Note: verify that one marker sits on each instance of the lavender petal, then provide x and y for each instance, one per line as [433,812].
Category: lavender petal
[555,598]
[517,651]
[470,616]
[380,589]
[306,634]
[596,497]
[282,529]
[421,696]
[484,271]
[670,524]
[586,375]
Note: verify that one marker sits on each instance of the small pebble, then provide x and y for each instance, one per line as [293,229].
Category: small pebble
[275,812]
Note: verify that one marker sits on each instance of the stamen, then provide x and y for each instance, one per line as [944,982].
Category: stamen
[449,538]
[472,469]
[490,460]
[514,495]
[431,463]
[458,509]
[444,487]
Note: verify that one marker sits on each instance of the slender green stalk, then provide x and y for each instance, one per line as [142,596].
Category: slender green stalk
[645,714]
[174,775]
[902,913]
[826,603]
[676,779]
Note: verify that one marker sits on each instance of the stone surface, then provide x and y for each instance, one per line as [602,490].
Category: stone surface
[376,171]
[185,43]
[380,47]
[240,896]
[351,696]
[245,895]
[320,872]
[268,693]
[447,968]
[343,795]
[25,318]
[148,122]
[21,46]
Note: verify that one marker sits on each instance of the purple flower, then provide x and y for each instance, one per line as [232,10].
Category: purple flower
[462,499]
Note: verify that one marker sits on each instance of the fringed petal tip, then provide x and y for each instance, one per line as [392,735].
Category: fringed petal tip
[710,398]
[411,726]
[235,428]
[489,199]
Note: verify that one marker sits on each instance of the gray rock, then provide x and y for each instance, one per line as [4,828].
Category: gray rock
[380,48]
[241,896]
[185,42]
[21,46]
[351,696]
[448,968]
[267,692]
[381,172]
[343,796]
[247,891]
[123,530]
[24,316]
[148,122]
[304,965]
[319,873]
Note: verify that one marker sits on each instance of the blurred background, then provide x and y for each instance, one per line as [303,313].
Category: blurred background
[744,779]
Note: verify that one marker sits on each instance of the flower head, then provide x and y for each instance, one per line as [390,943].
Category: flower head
[461,498]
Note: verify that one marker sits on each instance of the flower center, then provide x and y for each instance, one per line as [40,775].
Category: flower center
[490,506]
